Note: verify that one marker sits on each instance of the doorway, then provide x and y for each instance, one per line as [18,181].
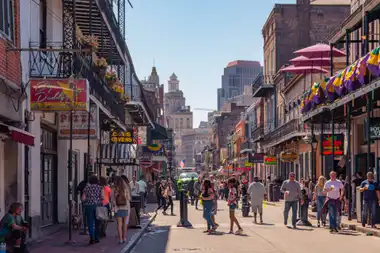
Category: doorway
[48,177]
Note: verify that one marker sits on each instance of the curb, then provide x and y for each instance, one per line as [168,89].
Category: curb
[135,239]
[355,227]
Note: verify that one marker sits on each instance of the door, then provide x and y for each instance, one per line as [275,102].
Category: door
[47,189]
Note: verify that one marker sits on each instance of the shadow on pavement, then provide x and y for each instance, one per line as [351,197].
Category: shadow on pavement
[155,240]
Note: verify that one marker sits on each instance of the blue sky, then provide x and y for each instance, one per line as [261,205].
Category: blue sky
[195,39]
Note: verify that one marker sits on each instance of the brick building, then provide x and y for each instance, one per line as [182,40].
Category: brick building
[290,27]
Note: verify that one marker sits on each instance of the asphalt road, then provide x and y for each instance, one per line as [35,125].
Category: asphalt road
[271,237]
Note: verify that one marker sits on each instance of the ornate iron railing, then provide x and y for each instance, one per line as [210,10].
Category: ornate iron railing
[257,132]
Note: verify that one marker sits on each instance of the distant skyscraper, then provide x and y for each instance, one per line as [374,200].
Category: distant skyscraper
[236,75]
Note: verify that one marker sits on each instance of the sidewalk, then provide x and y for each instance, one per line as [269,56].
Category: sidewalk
[57,242]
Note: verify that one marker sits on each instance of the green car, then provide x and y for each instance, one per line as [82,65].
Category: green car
[185,178]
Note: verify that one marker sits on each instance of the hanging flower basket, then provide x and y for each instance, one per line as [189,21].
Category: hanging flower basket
[101,66]
[111,78]
[118,87]
[89,41]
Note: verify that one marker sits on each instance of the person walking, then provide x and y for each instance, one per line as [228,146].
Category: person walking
[334,190]
[292,194]
[142,190]
[106,203]
[92,197]
[169,197]
[371,198]
[121,199]
[232,203]
[256,191]
[126,181]
[134,187]
[190,188]
[320,197]
[161,193]
[214,206]
[207,198]
[197,191]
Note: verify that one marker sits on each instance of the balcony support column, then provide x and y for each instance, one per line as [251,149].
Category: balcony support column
[323,169]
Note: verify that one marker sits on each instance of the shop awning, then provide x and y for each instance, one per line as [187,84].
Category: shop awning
[158,133]
[17,134]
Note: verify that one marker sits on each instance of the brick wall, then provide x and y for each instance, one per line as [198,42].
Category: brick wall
[10,66]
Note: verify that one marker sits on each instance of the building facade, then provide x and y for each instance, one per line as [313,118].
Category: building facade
[193,142]
[236,76]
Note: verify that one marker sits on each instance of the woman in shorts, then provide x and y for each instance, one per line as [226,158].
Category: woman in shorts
[232,203]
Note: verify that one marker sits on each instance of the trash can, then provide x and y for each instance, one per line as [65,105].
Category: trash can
[245,207]
[270,192]
[276,193]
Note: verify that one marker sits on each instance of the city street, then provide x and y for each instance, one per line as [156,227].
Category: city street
[273,236]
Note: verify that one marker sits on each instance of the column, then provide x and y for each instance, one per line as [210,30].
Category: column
[63,147]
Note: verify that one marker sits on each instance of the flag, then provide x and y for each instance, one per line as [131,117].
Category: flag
[182,164]
[373,62]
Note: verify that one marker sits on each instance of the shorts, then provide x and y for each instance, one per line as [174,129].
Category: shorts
[121,213]
[233,207]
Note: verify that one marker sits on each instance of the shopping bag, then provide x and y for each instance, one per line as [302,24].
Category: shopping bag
[265,204]
[102,213]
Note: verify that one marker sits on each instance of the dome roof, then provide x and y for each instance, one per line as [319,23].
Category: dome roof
[173,76]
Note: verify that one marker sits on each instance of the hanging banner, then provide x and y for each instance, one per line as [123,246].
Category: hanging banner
[288,157]
[270,160]
[80,124]
[142,135]
[59,95]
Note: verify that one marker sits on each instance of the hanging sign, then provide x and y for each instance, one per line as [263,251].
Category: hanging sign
[374,128]
[288,157]
[270,160]
[80,124]
[257,158]
[243,169]
[122,137]
[327,141]
[59,95]
[142,135]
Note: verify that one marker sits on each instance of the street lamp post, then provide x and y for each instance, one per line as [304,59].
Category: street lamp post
[310,139]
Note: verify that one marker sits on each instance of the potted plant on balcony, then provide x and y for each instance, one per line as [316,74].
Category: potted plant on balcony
[89,41]
[111,78]
[101,66]
[118,87]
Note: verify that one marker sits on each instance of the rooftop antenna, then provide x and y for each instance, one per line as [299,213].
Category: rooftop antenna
[154,62]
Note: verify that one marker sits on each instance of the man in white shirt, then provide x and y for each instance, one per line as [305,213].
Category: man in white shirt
[134,187]
[334,189]
[256,191]
[142,190]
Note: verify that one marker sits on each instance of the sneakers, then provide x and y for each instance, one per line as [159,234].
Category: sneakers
[239,231]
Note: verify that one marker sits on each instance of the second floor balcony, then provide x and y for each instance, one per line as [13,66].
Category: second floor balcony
[257,133]
[260,88]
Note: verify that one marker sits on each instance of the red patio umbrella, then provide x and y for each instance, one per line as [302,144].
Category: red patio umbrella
[303,70]
[319,50]
[302,61]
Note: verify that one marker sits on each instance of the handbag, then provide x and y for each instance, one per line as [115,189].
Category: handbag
[102,213]
[314,207]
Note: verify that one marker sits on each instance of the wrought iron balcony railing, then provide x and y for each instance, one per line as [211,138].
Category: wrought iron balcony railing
[56,62]
[257,132]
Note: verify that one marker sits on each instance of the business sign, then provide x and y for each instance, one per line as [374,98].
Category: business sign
[123,137]
[270,160]
[59,94]
[256,158]
[288,156]
[80,124]
[327,144]
[243,169]
[374,128]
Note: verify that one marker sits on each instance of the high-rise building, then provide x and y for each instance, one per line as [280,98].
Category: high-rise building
[236,76]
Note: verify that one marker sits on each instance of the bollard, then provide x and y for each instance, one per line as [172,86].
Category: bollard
[183,218]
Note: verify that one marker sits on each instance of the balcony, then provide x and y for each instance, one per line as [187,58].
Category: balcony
[257,134]
[52,62]
[245,147]
[260,88]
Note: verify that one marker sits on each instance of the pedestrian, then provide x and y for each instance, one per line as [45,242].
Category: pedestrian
[333,188]
[121,199]
[168,194]
[320,197]
[161,194]
[371,199]
[197,191]
[304,203]
[142,190]
[134,187]
[214,207]
[292,195]
[92,197]
[256,191]
[126,181]
[232,203]
[106,203]
[207,193]
[190,188]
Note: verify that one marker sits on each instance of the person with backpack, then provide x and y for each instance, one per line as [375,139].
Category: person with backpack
[121,202]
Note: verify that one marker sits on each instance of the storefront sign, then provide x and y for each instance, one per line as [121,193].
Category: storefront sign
[80,124]
[59,95]
[142,135]
[257,158]
[117,161]
[248,164]
[122,137]
[288,156]
[374,128]
[242,169]
[327,144]
[270,160]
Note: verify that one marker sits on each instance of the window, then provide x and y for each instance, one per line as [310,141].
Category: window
[7,18]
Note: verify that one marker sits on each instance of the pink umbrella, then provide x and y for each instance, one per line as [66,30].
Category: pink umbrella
[319,50]
[303,70]
[302,61]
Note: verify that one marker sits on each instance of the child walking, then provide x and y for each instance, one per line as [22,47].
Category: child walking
[232,203]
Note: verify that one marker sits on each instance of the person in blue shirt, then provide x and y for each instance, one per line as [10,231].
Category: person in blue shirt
[371,198]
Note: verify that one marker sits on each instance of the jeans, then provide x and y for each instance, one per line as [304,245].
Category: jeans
[369,208]
[207,213]
[92,223]
[333,213]
[161,203]
[320,202]
[288,205]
